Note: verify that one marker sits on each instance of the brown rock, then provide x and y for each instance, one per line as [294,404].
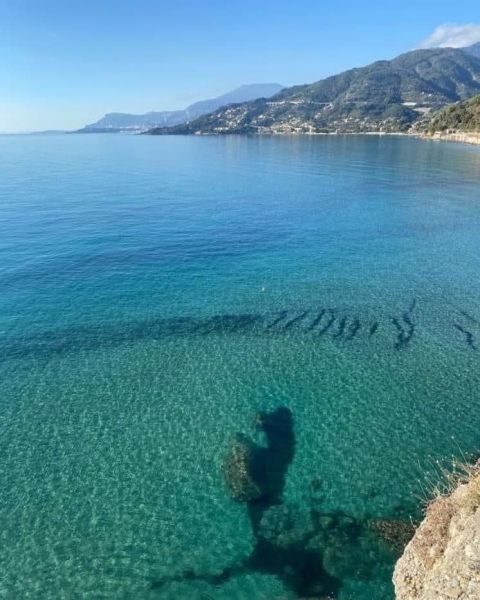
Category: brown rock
[242,469]
[442,561]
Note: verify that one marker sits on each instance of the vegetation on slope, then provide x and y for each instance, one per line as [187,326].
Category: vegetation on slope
[441,561]
[385,96]
[464,116]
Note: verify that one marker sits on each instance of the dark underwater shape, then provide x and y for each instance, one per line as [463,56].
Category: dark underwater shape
[316,321]
[341,328]
[227,323]
[299,567]
[469,337]
[73,339]
[353,329]
[244,469]
[329,323]
[469,317]
[253,472]
[256,475]
[282,315]
[312,551]
[406,329]
[94,337]
[296,319]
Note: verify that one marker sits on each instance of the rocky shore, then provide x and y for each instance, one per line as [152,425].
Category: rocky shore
[442,561]
[463,137]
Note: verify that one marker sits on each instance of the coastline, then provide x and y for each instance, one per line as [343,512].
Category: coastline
[439,561]
[464,137]
[291,133]
[472,138]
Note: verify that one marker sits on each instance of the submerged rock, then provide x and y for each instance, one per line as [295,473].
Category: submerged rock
[244,469]
[394,532]
[442,561]
[253,472]
[286,527]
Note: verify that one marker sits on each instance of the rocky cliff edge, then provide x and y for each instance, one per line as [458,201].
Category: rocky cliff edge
[442,561]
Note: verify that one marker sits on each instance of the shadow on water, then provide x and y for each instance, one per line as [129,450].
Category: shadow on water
[317,320]
[466,330]
[335,324]
[73,339]
[255,474]
[329,323]
[469,337]
[297,319]
[405,327]
[274,461]
[353,329]
[308,550]
[282,316]
[341,328]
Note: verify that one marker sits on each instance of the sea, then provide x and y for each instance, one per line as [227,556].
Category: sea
[161,295]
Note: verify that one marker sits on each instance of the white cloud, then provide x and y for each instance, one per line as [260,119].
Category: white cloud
[452,36]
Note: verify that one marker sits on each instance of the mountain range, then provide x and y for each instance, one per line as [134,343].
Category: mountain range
[386,96]
[118,122]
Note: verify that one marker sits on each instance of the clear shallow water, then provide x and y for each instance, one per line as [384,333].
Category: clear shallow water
[157,292]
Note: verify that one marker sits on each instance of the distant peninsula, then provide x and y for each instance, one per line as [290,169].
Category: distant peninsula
[130,123]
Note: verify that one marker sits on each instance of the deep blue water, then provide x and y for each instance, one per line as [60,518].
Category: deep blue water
[156,292]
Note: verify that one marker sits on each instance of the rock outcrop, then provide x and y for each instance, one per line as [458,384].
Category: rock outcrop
[253,472]
[442,561]
[244,469]
[462,137]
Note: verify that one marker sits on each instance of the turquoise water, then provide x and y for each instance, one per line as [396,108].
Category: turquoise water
[158,292]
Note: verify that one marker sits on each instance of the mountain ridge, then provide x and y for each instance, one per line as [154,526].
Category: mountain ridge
[117,121]
[473,50]
[385,96]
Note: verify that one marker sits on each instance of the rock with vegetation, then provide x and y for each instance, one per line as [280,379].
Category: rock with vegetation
[460,117]
[442,561]
[386,96]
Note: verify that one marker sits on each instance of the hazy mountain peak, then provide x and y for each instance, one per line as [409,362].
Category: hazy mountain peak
[473,50]
[116,121]
[385,96]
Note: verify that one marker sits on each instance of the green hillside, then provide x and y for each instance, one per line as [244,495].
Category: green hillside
[464,116]
[384,96]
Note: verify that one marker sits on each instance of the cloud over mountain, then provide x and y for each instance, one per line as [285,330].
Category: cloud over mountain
[452,36]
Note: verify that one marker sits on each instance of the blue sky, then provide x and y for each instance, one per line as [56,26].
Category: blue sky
[64,63]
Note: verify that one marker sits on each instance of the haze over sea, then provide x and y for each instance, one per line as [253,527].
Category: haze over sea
[156,292]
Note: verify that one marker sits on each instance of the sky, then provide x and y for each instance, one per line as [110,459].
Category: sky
[65,63]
